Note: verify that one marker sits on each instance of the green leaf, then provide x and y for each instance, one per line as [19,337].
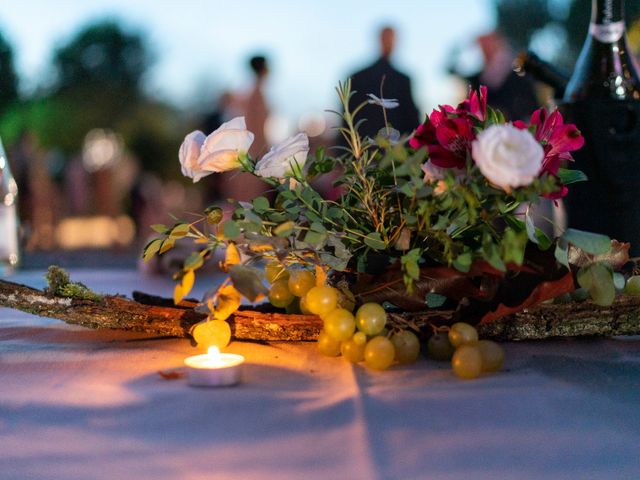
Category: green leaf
[160,228]
[409,262]
[312,216]
[318,227]
[513,245]
[333,262]
[492,254]
[597,279]
[314,237]
[536,235]
[260,204]
[248,281]
[593,243]
[568,176]
[151,249]
[561,252]
[230,229]
[193,261]
[434,300]
[374,240]
[462,262]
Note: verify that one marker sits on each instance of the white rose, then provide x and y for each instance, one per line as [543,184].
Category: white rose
[218,152]
[507,156]
[279,161]
[190,152]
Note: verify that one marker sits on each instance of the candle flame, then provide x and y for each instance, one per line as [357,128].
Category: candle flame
[214,352]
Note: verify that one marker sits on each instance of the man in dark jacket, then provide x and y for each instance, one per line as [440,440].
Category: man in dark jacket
[383,80]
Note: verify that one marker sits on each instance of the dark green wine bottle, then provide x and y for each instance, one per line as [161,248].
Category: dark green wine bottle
[606,68]
[603,100]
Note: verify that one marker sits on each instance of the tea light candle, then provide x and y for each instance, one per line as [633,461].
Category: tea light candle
[214,369]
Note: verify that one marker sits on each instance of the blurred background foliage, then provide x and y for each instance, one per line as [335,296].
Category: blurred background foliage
[96,80]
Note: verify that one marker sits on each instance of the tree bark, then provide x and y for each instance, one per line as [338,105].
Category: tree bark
[158,316]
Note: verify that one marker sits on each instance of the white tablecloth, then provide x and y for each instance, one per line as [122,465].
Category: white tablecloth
[83,404]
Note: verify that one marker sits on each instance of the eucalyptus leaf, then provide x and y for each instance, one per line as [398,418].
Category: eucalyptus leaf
[314,237]
[568,176]
[260,204]
[152,248]
[248,281]
[180,230]
[536,235]
[193,261]
[597,279]
[562,252]
[374,240]
[593,243]
[434,300]
[230,229]
[160,228]
[462,262]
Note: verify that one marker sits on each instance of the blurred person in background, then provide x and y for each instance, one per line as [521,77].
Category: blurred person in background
[514,95]
[382,79]
[253,106]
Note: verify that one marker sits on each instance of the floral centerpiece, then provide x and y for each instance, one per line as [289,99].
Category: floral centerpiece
[439,218]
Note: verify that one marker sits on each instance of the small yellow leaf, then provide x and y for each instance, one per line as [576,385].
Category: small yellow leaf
[260,247]
[187,282]
[178,294]
[168,244]
[232,256]
[152,249]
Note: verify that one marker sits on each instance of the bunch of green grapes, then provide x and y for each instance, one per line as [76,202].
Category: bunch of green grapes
[469,356]
[359,337]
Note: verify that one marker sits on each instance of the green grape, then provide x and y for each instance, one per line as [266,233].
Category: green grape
[371,318]
[492,355]
[279,294]
[406,345]
[275,271]
[340,324]
[461,333]
[467,361]
[303,306]
[439,347]
[301,281]
[321,300]
[327,345]
[379,353]
[360,338]
[352,350]
[633,285]
[212,333]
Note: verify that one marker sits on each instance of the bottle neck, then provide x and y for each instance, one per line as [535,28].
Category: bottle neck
[607,20]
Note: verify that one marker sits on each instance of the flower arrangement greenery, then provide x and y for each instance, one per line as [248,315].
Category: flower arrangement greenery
[439,218]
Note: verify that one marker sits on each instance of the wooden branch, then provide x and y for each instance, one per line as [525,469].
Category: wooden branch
[157,317]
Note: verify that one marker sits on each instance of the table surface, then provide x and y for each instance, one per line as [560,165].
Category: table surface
[83,404]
